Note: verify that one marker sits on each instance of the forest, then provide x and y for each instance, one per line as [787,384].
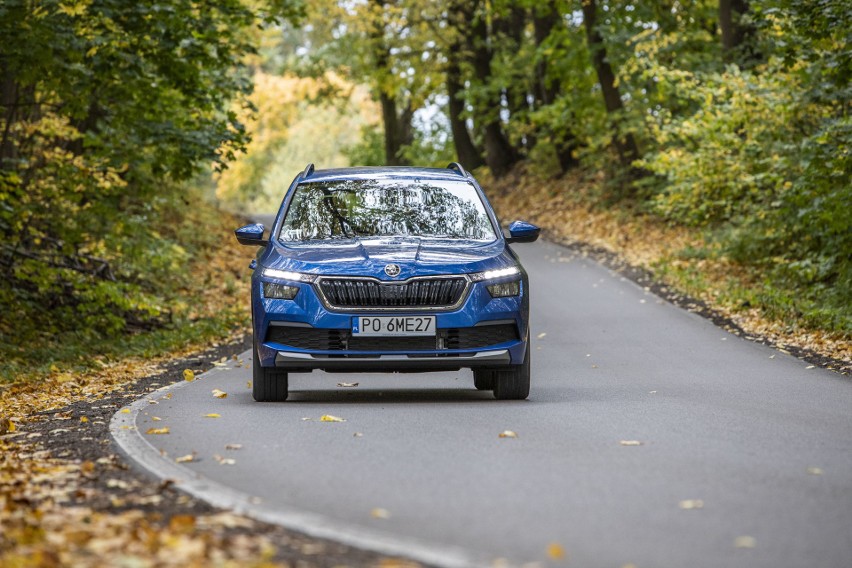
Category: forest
[126,124]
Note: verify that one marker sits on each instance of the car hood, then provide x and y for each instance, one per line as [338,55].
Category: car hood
[368,257]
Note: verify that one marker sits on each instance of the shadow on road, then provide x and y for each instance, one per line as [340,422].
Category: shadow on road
[385,396]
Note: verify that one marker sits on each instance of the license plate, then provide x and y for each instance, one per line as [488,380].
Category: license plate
[393,325]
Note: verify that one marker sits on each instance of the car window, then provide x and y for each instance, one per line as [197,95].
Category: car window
[381,207]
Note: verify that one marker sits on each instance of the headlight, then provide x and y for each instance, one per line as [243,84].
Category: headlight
[505,289]
[279,291]
[287,275]
[494,274]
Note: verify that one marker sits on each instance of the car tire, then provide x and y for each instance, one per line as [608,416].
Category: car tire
[513,383]
[268,383]
[483,380]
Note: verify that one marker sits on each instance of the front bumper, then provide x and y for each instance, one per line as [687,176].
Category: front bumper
[391,362]
[307,311]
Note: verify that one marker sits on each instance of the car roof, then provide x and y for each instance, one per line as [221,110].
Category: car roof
[384,172]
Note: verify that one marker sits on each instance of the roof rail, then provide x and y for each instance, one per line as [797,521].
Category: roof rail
[309,169]
[458,167]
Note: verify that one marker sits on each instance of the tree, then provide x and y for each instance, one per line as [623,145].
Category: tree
[625,144]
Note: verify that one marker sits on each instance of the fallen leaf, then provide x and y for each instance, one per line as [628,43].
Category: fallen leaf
[306,418]
[219,394]
[164,430]
[555,551]
[691,504]
[248,384]
[508,434]
[541,335]
[186,458]
[156,418]
[188,375]
[631,443]
[125,411]
[84,419]
[233,446]
[744,542]
[357,435]
[810,367]
[347,384]
[224,460]
[182,524]
[815,471]
[212,415]
[6,425]
[330,418]
[168,396]
[378,513]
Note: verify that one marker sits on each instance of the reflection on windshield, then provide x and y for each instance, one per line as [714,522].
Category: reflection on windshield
[380,208]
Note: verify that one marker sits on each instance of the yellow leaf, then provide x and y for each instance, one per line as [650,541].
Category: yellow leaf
[555,551]
[744,542]
[156,418]
[125,411]
[168,396]
[188,375]
[186,458]
[158,430]
[378,513]
[219,394]
[330,418]
[212,415]
[508,434]
[84,419]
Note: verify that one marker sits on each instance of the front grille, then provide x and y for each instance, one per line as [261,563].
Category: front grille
[367,293]
[314,339]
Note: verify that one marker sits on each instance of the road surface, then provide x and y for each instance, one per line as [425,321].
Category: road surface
[651,438]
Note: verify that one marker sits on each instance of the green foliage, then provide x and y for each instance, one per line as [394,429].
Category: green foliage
[106,106]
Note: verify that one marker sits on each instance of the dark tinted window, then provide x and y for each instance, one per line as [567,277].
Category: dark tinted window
[382,207]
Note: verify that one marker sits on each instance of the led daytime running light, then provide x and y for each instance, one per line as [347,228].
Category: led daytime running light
[493,274]
[287,275]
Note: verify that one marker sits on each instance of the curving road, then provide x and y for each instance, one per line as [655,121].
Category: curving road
[744,455]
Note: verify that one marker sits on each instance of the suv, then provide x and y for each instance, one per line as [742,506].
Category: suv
[389,269]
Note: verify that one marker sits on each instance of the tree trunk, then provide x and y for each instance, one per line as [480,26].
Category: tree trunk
[625,144]
[467,153]
[546,17]
[397,128]
[499,153]
[734,33]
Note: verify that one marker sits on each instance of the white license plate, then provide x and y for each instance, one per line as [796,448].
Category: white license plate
[393,325]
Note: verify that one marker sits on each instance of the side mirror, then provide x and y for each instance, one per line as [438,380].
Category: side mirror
[522,232]
[251,235]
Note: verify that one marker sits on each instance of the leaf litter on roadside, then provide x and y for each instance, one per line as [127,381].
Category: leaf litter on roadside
[219,393]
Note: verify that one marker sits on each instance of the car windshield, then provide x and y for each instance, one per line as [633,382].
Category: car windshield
[342,209]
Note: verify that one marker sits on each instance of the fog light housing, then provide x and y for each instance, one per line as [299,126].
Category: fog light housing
[279,291]
[505,289]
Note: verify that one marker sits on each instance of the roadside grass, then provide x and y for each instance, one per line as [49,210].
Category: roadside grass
[757,299]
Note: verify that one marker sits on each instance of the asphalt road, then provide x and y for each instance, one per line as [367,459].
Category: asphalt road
[744,455]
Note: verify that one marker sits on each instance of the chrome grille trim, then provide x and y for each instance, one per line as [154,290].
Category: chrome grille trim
[434,293]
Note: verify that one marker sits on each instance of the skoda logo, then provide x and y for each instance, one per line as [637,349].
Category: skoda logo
[392,270]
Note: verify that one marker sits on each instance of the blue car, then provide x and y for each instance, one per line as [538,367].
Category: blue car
[391,269]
